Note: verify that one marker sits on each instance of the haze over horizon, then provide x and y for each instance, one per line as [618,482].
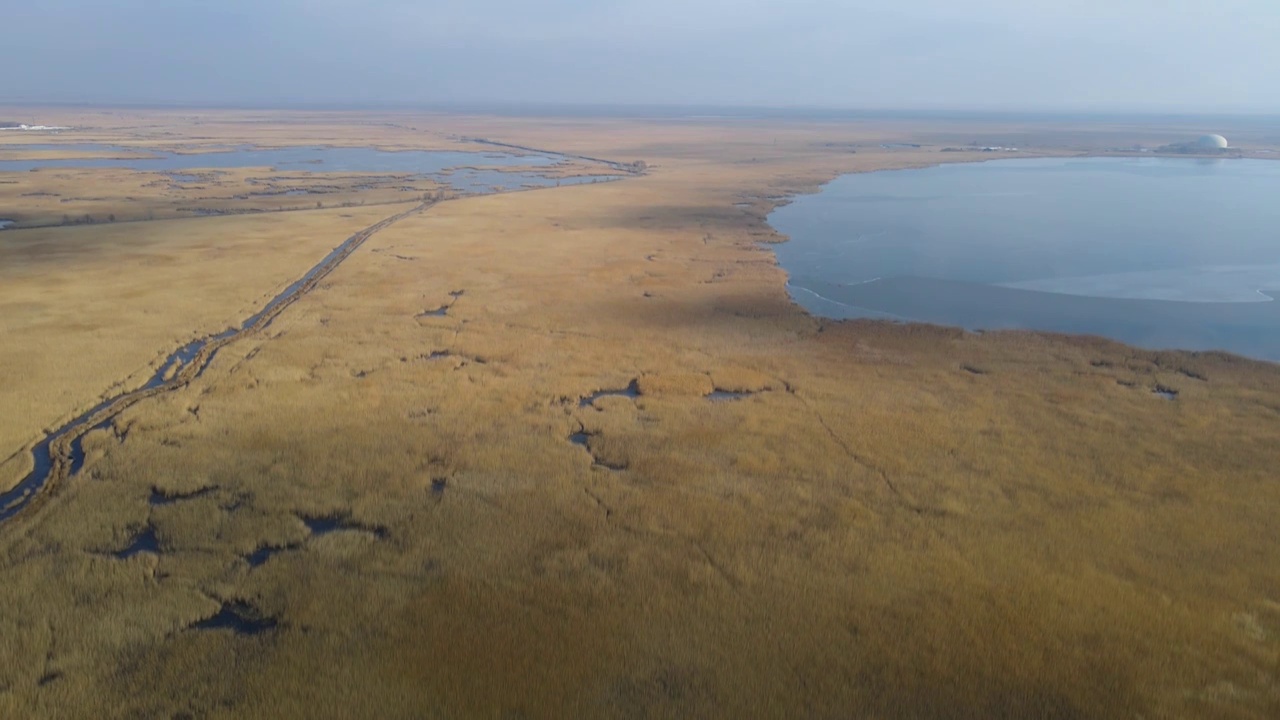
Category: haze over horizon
[1002,55]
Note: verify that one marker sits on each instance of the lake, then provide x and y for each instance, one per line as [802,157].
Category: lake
[1156,252]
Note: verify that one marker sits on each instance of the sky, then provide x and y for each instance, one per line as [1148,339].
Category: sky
[1010,55]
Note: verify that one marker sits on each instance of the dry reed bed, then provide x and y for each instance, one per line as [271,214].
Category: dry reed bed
[88,312]
[895,522]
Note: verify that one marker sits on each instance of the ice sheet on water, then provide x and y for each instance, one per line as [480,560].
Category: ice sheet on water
[1208,284]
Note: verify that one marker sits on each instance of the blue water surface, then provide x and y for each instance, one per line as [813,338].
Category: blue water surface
[1157,252]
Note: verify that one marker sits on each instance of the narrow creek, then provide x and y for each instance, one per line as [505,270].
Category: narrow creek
[60,454]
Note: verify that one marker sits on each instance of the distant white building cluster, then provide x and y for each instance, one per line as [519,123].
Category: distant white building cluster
[21,127]
[981,148]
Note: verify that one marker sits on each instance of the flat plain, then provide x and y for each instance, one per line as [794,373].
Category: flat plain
[575,453]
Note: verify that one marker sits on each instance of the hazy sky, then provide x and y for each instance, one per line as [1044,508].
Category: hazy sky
[1160,55]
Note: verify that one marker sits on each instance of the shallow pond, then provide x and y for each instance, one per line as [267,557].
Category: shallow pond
[1157,252]
[457,169]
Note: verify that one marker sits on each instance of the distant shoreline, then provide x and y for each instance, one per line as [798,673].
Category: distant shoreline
[669,111]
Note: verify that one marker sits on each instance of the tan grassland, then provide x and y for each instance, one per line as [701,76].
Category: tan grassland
[74,197]
[88,311]
[873,531]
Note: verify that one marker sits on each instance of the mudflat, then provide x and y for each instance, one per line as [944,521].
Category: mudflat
[575,452]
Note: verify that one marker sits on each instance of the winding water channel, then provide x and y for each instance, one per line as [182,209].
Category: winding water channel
[60,454]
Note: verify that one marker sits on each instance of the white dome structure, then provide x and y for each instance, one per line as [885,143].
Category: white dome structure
[1212,142]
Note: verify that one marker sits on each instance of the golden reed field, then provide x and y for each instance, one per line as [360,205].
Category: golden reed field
[479,469]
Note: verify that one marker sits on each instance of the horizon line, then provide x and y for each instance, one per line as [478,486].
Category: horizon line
[687,109]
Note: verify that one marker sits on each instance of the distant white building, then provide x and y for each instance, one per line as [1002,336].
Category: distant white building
[1204,145]
[1212,142]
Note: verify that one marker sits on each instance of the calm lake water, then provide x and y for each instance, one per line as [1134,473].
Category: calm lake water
[1156,252]
[457,169]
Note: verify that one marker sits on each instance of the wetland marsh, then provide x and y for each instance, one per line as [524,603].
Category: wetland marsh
[263,175]
[576,452]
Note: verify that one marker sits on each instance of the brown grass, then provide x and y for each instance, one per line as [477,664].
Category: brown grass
[89,311]
[63,197]
[876,532]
